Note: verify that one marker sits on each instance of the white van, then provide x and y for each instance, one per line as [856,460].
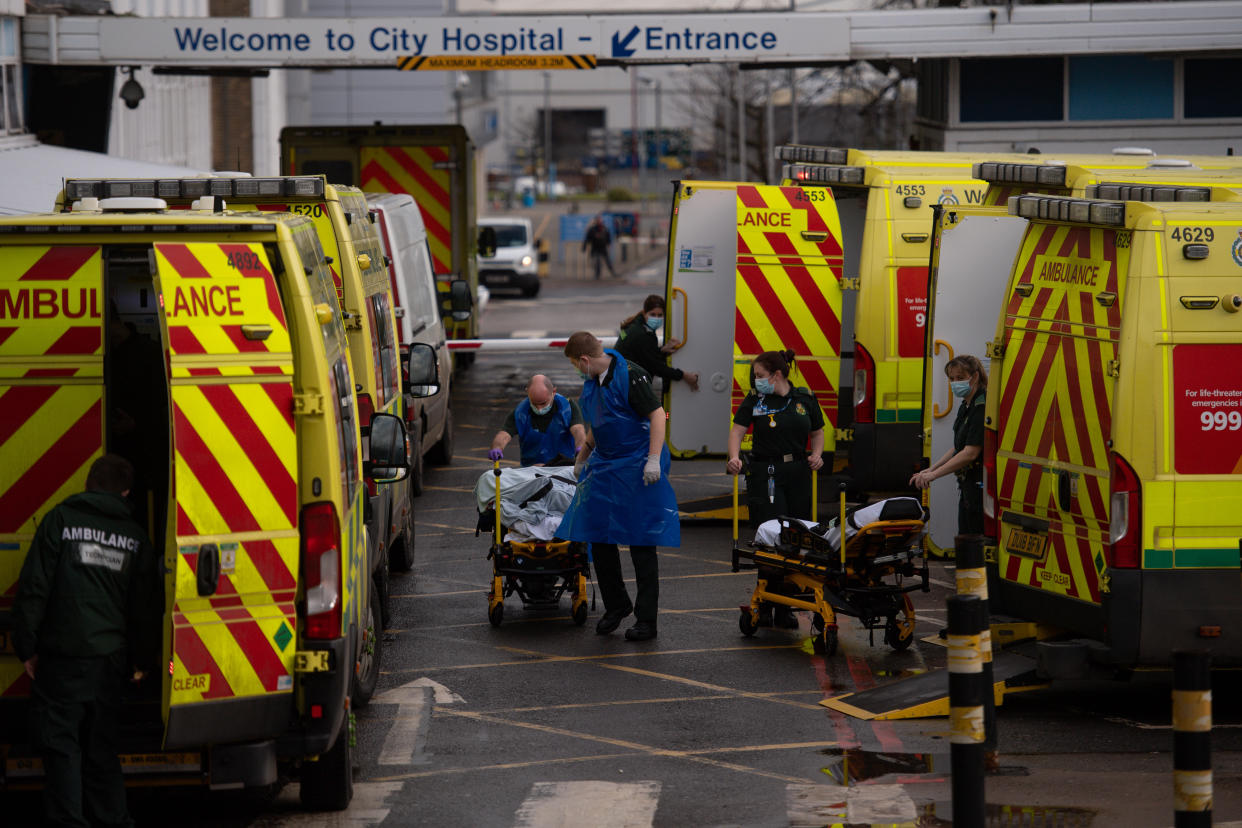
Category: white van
[518,257]
[429,419]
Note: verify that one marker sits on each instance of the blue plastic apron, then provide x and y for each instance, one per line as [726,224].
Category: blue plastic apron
[541,446]
[611,504]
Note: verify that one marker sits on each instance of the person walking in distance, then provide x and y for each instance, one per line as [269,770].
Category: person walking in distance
[86,616]
[623,496]
[548,427]
[596,242]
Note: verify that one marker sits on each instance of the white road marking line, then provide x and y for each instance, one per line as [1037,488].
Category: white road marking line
[406,742]
[811,805]
[563,804]
[367,809]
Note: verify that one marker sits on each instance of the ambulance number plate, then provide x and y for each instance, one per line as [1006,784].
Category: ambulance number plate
[311,661]
[1026,544]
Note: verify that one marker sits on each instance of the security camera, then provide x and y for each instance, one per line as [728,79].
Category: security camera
[131,90]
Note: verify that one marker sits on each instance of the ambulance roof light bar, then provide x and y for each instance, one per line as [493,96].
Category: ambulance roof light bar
[1077,210]
[805,154]
[1146,192]
[803,173]
[1046,175]
[305,186]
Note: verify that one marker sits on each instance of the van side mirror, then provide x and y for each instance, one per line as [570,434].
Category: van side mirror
[461,300]
[389,448]
[487,242]
[420,370]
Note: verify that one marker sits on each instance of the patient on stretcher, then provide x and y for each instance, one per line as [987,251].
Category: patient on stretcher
[894,508]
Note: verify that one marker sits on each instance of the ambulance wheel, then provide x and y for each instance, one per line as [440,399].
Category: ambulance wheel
[328,784]
[826,643]
[442,452]
[531,291]
[892,636]
[580,614]
[746,623]
[367,675]
[497,615]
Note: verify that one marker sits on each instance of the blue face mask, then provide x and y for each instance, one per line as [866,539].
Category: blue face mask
[542,411]
[764,385]
[960,388]
[655,322]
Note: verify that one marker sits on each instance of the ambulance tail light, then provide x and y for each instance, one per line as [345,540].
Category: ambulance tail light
[1125,529]
[991,527]
[366,409]
[864,385]
[321,570]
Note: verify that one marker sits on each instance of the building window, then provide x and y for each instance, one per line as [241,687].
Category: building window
[1120,87]
[10,77]
[933,90]
[1208,92]
[1012,89]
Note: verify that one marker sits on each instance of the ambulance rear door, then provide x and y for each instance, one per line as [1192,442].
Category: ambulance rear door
[788,293]
[51,402]
[1055,409]
[233,573]
[700,308]
[974,254]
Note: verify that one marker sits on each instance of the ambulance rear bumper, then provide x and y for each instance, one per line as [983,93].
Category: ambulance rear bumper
[1152,612]
[325,693]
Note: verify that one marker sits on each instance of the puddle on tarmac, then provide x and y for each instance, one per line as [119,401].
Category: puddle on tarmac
[886,789]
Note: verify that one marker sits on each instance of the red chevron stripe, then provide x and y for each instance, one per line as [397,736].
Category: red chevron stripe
[1059,541]
[257,447]
[815,223]
[749,195]
[434,227]
[282,396]
[183,341]
[58,264]
[7,331]
[261,272]
[421,174]
[198,660]
[1012,567]
[775,311]
[215,481]
[1077,409]
[241,343]
[1015,371]
[436,153]
[183,261]
[1014,379]
[18,404]
[77,339]
[58,464]
[20,688]
[259,652]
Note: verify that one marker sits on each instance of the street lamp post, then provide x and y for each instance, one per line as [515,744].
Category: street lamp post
[549,175]
[655,88]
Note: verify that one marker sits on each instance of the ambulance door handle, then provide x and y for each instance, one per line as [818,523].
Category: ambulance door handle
[814,236]
[208,571]
[685,318]
[937,411]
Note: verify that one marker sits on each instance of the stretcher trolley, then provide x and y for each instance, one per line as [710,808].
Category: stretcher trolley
[522,508]
[869,576]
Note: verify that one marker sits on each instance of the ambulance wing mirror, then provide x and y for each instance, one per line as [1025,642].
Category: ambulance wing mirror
[390,449]
[487,242]
[461,301]
[421,370]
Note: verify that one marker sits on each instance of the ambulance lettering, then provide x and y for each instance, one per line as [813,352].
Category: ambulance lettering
[766,219]
[1070,271]
[1058,578]
[207,300]
[49,303]
[200,683]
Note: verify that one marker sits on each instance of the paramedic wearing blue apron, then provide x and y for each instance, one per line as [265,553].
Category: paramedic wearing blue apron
[548,427]
[623,495]
[969,383]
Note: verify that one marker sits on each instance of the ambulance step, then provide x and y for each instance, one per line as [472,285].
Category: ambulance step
[927,694]
[719,507]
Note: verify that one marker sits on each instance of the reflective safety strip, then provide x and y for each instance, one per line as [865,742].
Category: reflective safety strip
[425,173]
[1055,406]
[51,398]
[235,472]
[789,265]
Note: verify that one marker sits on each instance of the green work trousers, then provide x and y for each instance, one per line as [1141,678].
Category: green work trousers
[74,710]
[607,560]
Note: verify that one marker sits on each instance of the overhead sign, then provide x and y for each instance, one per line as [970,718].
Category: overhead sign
[462,63]
[489,42]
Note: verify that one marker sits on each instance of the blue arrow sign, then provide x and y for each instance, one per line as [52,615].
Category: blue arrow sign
[621,45]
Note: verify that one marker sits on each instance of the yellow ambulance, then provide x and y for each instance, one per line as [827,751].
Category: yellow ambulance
[884,199]
[1113,440]
[356,261]
[751,268]
[208,348]
[968,243]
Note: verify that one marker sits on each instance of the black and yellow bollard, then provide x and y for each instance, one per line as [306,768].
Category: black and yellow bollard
[972,579]
[1192,739]
[968,694]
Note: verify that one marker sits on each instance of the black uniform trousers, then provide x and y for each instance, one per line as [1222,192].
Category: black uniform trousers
[611,584]
[791,491]
[74,709]
[970,503]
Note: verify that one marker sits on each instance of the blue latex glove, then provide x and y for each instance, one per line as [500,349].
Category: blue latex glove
[495,454]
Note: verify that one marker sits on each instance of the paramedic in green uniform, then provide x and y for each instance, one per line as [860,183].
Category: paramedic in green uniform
[969,384]
[86,617]
[638,344]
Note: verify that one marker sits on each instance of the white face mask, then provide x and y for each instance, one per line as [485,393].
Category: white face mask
[541,411]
